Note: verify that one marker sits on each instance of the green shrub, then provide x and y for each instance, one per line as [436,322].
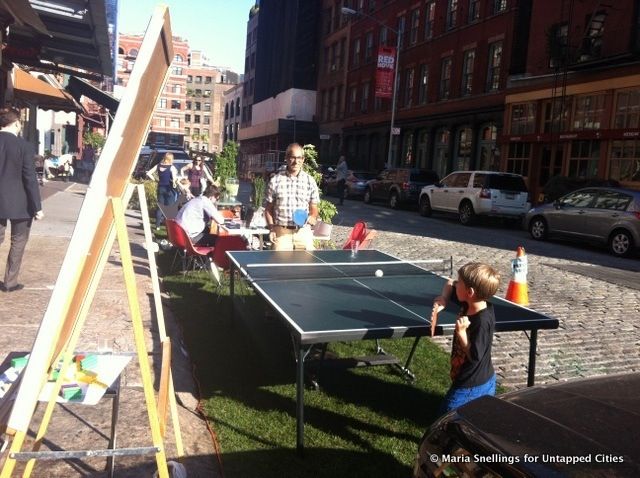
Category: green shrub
[150,191]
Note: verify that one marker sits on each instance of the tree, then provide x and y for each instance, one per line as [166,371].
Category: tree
[226,165]
[93,139]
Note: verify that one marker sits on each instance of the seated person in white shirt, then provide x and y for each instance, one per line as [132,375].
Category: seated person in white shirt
[195,215]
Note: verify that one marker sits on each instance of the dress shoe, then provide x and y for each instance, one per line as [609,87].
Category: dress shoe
[14,288]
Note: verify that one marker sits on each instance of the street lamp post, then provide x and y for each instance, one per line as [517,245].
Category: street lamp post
[293,117]
[398,33]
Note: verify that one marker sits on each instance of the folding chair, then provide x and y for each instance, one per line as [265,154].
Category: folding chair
[177,240]
[200,256]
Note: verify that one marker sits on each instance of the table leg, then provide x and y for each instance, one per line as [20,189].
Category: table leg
[533,345]
[405,369]
[232,275]
[115,408]
[301,355]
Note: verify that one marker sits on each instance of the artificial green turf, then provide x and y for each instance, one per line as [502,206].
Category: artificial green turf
[361,422]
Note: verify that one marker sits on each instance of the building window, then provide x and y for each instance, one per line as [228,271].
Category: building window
[474,11]
[207,93]
[187,131]
[441,153]
[353,93]
[162,122]
[523,118]
[429,19]
[356,52]
[498,6]
[178,58]
[384,36]
[333,104]
[556,117]
[177,89]
[237,106]
[163,103]
[452,14]
[495,60]
[187,104]
[198,79]
[592,42]
[424,84]
[467,72]
[196,133]
[175,123]
[341,52]
[588,112]
[627,109]
[207,80]
[415,24]
[489,153]
[196,118]
[189,79]
[445,78]
[187,118]
[408,87]
[583,161]
[463,159]
[518,158]
[364,98]
[176,70]
[198,92]
[197,106]
[401,27]
[175,104]
[206,119]
[368,49]
[624,164]
[207,106]
[558,45]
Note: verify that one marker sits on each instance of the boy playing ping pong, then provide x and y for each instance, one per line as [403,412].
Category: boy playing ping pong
[472,372]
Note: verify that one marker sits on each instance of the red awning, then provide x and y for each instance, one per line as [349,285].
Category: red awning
[29,89]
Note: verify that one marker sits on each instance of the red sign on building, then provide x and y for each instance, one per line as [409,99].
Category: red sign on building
[384,71]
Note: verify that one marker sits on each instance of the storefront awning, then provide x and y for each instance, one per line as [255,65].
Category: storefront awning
[30,89]
[76,36]
[78,87]
[24,15]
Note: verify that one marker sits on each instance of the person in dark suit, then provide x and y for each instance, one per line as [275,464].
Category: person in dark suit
[19,193]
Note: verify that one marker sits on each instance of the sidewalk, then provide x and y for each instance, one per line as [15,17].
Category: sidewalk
[77,427]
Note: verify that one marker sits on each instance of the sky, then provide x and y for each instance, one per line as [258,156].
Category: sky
[217,27]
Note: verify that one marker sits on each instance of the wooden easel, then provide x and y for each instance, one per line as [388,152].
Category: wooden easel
[147,382]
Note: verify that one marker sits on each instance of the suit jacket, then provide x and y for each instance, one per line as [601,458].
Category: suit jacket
[19,191]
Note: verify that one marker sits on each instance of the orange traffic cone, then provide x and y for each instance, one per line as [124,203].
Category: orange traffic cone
[518,290]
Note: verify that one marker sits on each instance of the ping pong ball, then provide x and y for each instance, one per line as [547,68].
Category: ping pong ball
[379,273]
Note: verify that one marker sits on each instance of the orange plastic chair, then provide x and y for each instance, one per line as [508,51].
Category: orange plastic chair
[177,240]
[358,233]
[227,213]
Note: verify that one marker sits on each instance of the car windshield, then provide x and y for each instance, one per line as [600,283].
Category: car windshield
[424,177]
[505,182]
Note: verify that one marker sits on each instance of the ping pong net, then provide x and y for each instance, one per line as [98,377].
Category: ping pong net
[346,270]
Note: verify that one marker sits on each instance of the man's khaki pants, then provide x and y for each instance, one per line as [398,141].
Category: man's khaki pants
[293,239]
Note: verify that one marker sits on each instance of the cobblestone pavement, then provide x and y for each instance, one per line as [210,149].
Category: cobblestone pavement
[595,296]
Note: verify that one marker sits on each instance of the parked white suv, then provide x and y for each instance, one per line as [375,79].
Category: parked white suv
[473,193]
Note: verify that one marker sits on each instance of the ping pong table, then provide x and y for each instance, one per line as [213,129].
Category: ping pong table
[329,296]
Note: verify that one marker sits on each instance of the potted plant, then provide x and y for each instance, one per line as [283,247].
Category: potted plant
[326,209]
[226,169]
[255,212]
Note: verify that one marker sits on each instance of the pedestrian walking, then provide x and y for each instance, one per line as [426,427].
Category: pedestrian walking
[167,184]
[342,171]
[19,194]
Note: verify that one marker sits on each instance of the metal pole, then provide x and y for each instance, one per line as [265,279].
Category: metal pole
[395,93]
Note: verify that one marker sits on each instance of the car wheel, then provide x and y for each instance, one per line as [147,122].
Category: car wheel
[620,243]
[538,228]
[466,214]
[425,206]
[393,200]
[367,196]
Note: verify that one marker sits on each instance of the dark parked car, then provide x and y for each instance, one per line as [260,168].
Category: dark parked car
[587,427]
[149,157]
[399,185]
[600,215]
[355,184]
